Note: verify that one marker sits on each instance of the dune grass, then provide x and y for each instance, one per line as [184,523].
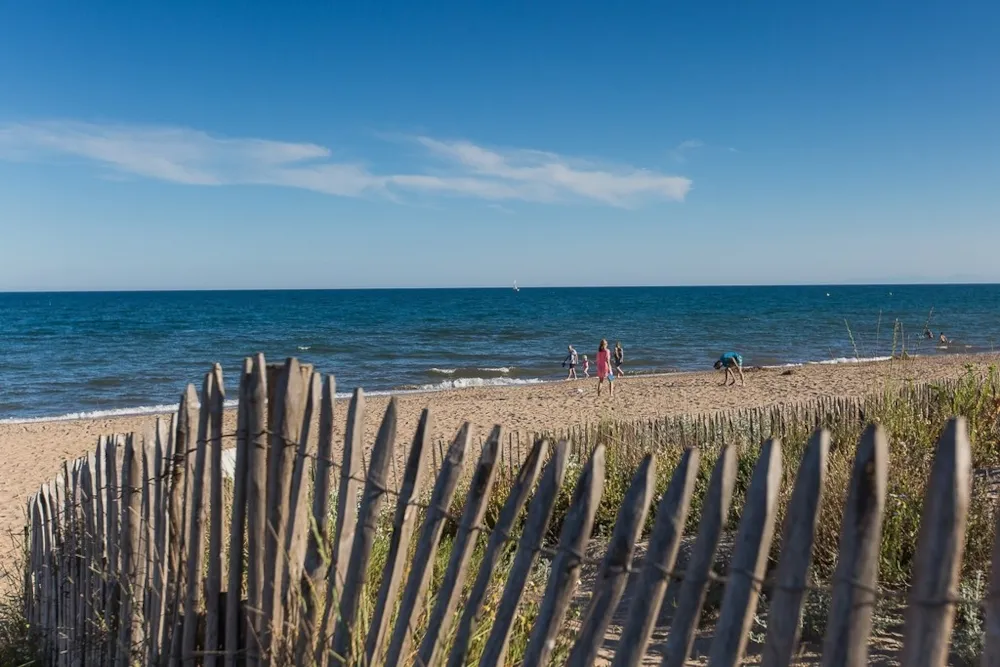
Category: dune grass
[18,646]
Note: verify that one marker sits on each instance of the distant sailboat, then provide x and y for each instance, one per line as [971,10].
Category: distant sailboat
[516,288]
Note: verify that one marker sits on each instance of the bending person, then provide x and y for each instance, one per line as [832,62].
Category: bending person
[731,361]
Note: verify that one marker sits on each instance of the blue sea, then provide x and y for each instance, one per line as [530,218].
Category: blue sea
[76,354]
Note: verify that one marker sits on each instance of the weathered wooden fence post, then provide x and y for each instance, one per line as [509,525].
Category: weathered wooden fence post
[194,542]
[298,529]
[133,565]
[180,516]
[237,525]
[930,607]
[290,396]
[671,515]
[349,486]
[469,527]
[314,575]
[161,471]
[371,504]
[256,483]
[855,580]
[399,543]
[518,496]
[412,603]
[213,581]
[613,575]
[535,526]
[796,554]
[699,569]
[565,571]
[749,563]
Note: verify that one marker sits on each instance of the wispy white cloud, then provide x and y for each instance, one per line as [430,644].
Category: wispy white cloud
[681,150]
[456,168]
[191,157]
[689,144]
[542,176]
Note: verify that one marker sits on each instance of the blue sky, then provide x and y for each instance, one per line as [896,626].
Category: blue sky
[210,145]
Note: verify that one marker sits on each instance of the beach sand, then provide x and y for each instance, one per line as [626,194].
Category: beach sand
[31,453]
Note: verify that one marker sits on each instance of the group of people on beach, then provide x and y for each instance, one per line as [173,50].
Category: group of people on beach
[608,365]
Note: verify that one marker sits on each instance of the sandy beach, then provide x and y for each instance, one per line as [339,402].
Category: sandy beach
[33,452]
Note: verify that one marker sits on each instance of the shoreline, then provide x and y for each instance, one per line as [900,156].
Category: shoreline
[166,409]
[32,452]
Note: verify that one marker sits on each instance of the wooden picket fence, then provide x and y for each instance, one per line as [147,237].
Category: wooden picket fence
[737,426]
[137,554]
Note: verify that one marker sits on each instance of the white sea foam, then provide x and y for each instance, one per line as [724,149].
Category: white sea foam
[168,408]
[831,362]
[466,383]
[104,414]
[305,347]
[850,360]
[452,371]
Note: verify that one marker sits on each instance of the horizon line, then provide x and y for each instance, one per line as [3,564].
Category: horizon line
[490,287]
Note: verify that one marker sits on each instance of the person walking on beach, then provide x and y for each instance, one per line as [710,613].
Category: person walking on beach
[729,361]
[586,367]
[619,358]
[604,368]
[571,359]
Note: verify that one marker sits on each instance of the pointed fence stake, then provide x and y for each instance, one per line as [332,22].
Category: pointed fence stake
[613,574]
[856,577]
[930,606]
[796,554]
[749,563]
[671,515]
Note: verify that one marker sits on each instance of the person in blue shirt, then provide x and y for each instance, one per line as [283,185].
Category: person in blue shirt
[730,361]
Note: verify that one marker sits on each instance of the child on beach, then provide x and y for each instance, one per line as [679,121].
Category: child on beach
[604,368]
[586,367]
[619,358]
[729,361]
[571,359]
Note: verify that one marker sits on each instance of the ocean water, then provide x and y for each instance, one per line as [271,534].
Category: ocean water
[102,353]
